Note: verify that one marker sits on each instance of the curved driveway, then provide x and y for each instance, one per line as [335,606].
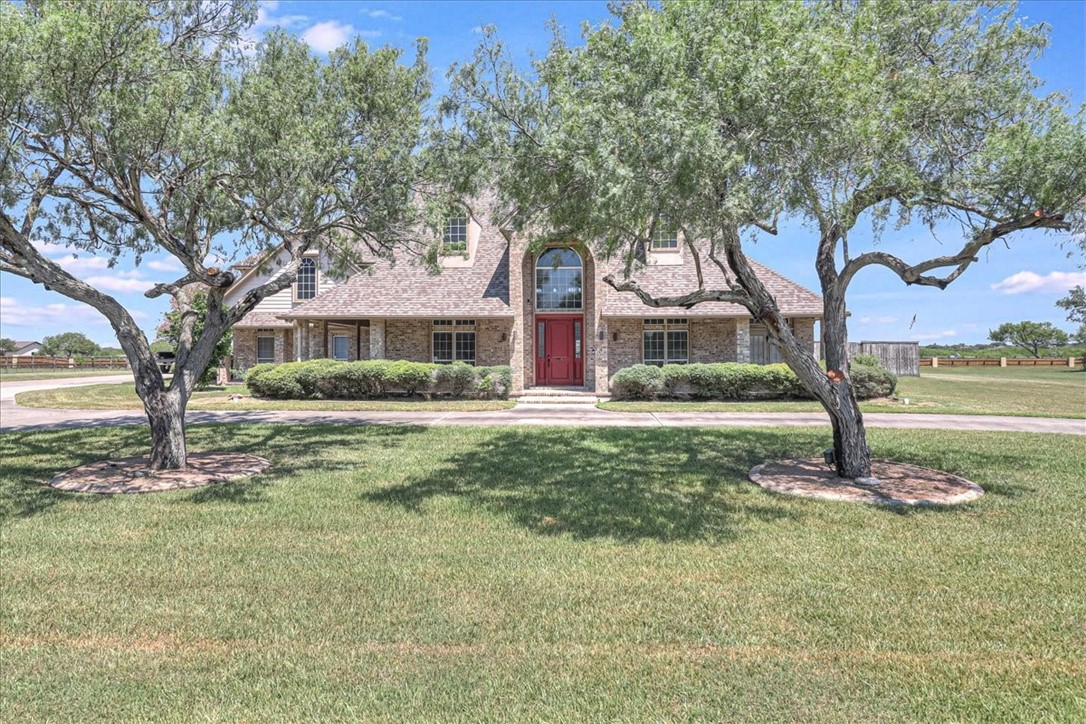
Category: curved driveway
[13,417]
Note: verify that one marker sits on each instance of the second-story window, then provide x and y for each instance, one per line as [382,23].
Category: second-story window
[666,236]
[455,235]
[306,285]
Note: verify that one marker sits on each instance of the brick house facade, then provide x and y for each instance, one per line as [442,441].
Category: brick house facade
[496,301]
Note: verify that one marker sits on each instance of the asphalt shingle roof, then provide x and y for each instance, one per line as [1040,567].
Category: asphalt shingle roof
[659,280]
[261,320]
[408,289]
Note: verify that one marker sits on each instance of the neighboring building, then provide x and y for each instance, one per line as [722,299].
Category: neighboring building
[549,315]
[24,349]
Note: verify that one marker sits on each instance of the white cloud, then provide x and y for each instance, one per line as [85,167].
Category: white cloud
[929,336]
[266,19]
[877,320]
[380,15]
[82,263]
[165,265]
[1027,282]
[327,36]
[15,314]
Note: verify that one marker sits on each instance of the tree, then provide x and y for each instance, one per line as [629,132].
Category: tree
[172,326]
[1074,304]
[133,128]
[725,117]
[1030,336]
[69,344]
[7,345]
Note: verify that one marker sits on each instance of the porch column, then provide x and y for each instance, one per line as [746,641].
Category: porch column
[742,340]
[377,339]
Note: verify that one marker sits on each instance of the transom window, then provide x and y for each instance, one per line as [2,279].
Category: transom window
[455,235]
[265,349]
[306,285]
[454,341]
[666,342]
[665,236]
[559,281]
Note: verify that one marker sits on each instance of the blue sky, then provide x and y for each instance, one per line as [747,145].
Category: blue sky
[1008,284]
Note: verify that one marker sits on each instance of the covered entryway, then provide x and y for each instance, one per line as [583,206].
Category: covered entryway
[559,358]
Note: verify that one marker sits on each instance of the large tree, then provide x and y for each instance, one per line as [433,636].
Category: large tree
[133,128]
[724,117]
[69,344]
[1030,336]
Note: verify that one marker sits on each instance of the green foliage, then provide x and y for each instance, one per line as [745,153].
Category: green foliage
[68,344]
[7,345]
[735,381]
[639,382]
[1074,304]
[328,379]
[871,381]
[171,327]
[1031,336]
[455,379]
[868,360]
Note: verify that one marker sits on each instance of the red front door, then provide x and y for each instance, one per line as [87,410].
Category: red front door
[559,358]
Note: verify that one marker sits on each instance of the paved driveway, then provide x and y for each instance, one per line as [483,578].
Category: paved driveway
[13,417]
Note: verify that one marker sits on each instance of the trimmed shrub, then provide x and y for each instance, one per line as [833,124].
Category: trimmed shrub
[640,382]
[328,379]
[867,360]
[455,379]
[676,378]
[870,382]
[411,377]
[719,381]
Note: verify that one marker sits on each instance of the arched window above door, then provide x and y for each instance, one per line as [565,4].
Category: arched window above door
[559,281]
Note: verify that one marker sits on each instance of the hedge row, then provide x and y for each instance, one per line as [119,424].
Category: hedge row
[328,379]
[734,381]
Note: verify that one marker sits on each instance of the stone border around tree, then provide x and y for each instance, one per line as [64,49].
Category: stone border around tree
[133,475]
[899,483]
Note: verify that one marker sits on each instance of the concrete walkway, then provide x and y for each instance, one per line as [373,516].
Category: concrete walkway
[14,417]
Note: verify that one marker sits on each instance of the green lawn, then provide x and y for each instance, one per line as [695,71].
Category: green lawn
[7,373]
[409,573]
[123,397]
[1019,391]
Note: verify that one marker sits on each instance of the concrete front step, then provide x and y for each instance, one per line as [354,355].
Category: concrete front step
[583,400]
[558,392]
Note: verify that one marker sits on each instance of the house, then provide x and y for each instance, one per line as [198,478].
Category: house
[24,348]
[549,315]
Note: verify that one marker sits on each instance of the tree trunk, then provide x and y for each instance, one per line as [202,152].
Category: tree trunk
[166,413]
[851,453]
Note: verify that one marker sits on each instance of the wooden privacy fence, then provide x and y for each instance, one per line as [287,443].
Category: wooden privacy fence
[901,358]
[36,362]
[1001,362]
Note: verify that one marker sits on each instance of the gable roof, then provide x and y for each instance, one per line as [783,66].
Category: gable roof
[409,289]
[675,280]
[262,320]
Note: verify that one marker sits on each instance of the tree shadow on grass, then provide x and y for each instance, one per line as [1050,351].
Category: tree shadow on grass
[28,460]
[625,484]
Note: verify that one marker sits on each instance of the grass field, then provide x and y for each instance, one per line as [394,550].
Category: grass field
[123,397]
[403,573]
[1020,391]
[9,373]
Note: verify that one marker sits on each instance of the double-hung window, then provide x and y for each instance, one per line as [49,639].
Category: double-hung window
[665,341]
[454,341]
[265,349]
[665,237]
[305,287]
[340,347]
[455,234]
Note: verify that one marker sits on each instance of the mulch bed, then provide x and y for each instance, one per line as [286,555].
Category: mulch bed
[899,484]
[133,475]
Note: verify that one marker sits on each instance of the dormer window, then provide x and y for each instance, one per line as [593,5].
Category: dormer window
[665,237]
[455,236]
[305,287]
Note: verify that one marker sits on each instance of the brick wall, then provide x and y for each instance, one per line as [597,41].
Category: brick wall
[626,350]
[803,330]
[490,350]
[354,337]
[245,346]
[408,339]
[712,340]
